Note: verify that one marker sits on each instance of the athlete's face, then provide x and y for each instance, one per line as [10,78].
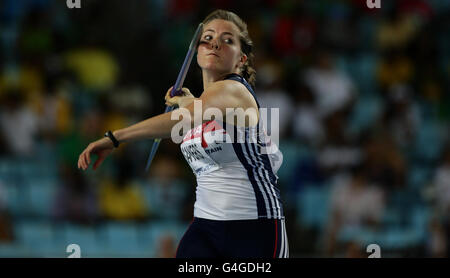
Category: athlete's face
[220,48]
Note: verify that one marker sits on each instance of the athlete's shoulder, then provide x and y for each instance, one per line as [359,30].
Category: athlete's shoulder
[227,87]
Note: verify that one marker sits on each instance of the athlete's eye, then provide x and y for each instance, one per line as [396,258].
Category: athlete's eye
[206,39]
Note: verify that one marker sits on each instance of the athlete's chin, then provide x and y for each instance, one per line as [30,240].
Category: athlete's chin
[213,67]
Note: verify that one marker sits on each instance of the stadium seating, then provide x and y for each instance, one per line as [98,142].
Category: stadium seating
[313,206]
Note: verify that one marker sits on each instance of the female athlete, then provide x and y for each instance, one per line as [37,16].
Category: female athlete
[238,212]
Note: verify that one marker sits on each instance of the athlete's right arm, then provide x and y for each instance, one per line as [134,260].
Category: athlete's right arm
[159,126]
[155,127]
[222,95]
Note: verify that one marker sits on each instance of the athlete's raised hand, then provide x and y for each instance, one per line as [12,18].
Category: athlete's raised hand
[102,148]
[182,100]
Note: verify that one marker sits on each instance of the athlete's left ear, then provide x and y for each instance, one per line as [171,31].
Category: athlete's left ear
[243,60]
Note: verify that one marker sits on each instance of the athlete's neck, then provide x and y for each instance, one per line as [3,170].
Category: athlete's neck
[209,77]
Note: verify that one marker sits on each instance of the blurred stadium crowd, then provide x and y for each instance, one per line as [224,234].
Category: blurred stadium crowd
[364,123]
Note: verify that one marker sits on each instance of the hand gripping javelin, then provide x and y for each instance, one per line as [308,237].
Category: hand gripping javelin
[176,90]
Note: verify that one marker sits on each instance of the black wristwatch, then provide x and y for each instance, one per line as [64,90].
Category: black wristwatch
[110,135]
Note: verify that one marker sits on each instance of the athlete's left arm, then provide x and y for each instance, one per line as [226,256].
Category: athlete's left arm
[222,95]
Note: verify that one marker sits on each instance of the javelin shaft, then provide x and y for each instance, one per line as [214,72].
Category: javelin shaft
[176,90]
[182,75]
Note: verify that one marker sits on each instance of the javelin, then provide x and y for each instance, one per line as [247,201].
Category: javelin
[176,90]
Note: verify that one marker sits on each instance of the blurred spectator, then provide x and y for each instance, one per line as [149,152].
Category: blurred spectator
[305,32]
[396,30]
[440,193]
[182,8]
[402,23]
[6,228]
[272,95]
[441,184]
[19,123]
[168,192]
[339,28]
[96,68]
[75,200]
[437,244]
[283,33]
[55,111]
[307,124]
[355,203]
[122,199]
[112,114]
[283,40]
[166,247]
[36,40]
[26,78]
[332,88]
[428,79]
[3,146]
[385,163]
[354,249]
[86,128]
[394,68]
[127,104]
[339,152]
[422,10]
[402,116]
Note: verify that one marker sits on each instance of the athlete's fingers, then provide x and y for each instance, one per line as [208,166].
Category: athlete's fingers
[88,155]
[85,160]
[80,164]
[186,91]
[168,93]
[80,161]
[99,161]
[172,101]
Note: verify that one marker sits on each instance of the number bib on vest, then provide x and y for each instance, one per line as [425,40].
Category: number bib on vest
[200,162]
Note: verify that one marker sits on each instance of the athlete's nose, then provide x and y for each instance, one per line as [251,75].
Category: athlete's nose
[215,44]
